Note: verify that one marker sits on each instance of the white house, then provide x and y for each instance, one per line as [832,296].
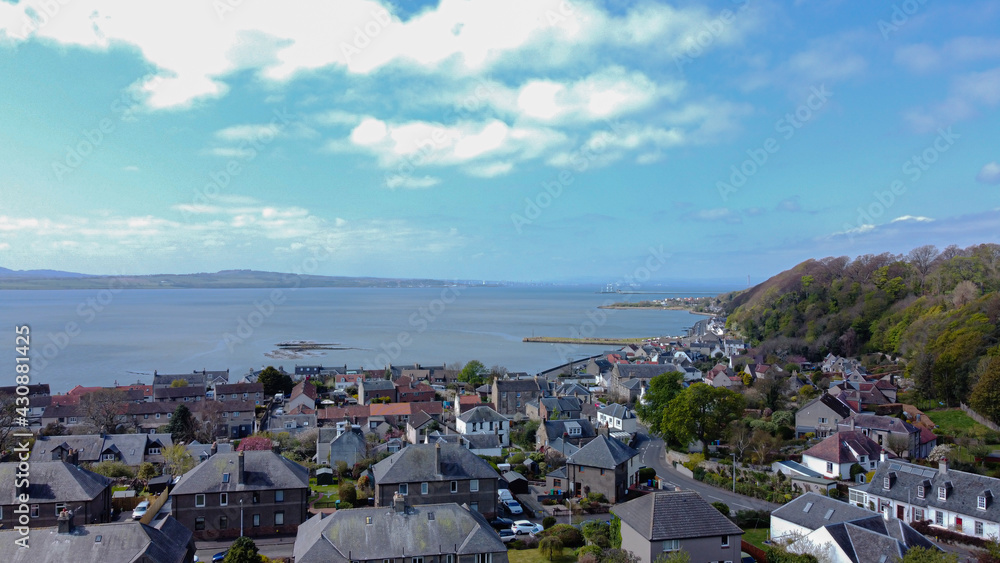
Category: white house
[484,420]
[617,417]
[833,457]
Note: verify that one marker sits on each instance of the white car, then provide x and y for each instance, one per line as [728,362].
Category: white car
[504,494]
[140,510]
[526,527]
[513,507]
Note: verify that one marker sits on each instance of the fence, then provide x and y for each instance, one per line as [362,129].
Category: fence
[979,418]
[757,553]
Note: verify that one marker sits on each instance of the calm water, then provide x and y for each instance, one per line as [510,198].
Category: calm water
[92,337]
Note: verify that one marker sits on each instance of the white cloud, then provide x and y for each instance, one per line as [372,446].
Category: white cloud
[924,57]
[231,152]
[401,181]
[990,174]
[718,214]
[969,93]
[264,132]
[912,218]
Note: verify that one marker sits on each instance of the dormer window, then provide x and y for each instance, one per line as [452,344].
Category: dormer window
[981,502]
[886,483]
[942,493]
[921,491]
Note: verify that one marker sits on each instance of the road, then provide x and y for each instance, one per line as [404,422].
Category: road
[651,452]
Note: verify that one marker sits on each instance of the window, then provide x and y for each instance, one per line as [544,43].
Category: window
[256,520]
[145,417]
[454,486]
[474,485]
[60,506]
[918,514]
[981,502]
[886,482]
[979,528]
[942,493]
[939,518]
[236,414]
[199,523]
[108,457]
[223,522]
[403,488]
[602,471]
[416,560]
[474,506]
[423,489]
[450,558]
[368,520]
[557,482]
[484,558]
[958,524]
[921,491]
[822,420]
[279,496]
[279,518]
[154,451]
[34,511]
[199,500]
[725,541]
[671,545]
[223,499]
[256,497]
[225,477]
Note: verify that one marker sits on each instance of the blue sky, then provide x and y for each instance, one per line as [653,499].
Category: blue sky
[528,140]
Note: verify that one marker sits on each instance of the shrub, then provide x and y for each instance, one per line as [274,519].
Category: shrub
[594,550]
[568,535]
[646,473]
[597,497]
[551,547]
[698,473]
[548,522]
[753,519]
[721,507]
[347,493]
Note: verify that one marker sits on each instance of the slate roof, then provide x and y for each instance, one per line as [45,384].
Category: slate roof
[554,428]
[416,463]
[54,481]
[178,392]
[572,389]
[427,530]
[881,423]
[378,385]
[833,403]
[667,515]
[265,470]
[814,511]
[643,371]
[963,496]
[481,414]
[872,539]
[616,410]
[603,452]
[238,388]
[166,541]
[844,447]
[560,404]
[515,385]
[131,447]
[482,441]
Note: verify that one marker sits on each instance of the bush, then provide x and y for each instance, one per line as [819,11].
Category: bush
[551,547]
[347,493]
[113,469]
[753,519]
[594,550]
[646,473]
[548,522]
[698,473]
[597,497]
[568,535]
[721,507]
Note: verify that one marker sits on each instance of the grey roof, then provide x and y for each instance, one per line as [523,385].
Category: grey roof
[482,441]
[616,410]
[603,452]
[481,414]
[814,511]
[416,463]
[131,447]
[265,470]
[511,476]
[54,481]
[868,539]
[204,451]
[560,404]
[555,428]
[166,541]
[643,371]
[419,419]
[883,423]
[533,384]
[572,389]
[963,495]
[427,530]
[378,385]
[567,448]
[667,515]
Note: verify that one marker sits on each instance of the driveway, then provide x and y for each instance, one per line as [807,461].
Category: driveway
[651,452]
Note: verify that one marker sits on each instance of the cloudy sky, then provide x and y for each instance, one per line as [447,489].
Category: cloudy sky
[529,140]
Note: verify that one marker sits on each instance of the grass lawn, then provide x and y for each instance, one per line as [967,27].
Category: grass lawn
[535,556]
[954,422]
[756,536]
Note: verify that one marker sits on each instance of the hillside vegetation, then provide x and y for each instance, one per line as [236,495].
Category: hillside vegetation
[936,311]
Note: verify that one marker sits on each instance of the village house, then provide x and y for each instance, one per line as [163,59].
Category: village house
[400,532]
[510,396]
[668,521]
[369,389]
[892,433]
[409,390]
[553,408]
[809,512]
[54,486]
[269,490]
[833,457]
[240,391]
[303,395]
[130,449]
[431,474]
[604,465]
[575,432]
[484,420]
[821,416]
[617,417]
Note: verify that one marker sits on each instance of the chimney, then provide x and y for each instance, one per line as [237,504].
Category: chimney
[398,503]
[852,423]
[437,459]
[65,522]
[240,473]
[943,466]
[881,456]
[215,448]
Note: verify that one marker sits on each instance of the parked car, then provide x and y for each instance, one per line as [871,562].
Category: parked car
[507,535]
[513,507]
[526,527]
[219,557]
[501,523]
[140,510]
[504,494]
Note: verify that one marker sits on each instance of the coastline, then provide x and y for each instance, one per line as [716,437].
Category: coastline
[646,307]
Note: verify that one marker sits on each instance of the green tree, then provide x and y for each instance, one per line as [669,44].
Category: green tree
[524,435]
[182,426]
[985,396]
[680,556]
[926,555]
[113,469]
[275,382]
[473,373]
[551,547]
[179,383]
[616,532]
[243,550]
[147,471]
[177,460]
[347,493]
[662,389]
[721,507]
[104,408]
[702,412]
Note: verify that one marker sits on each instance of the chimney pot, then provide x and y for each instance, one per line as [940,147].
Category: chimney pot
[437,458]
[65,522]
[398,503]
[943,466]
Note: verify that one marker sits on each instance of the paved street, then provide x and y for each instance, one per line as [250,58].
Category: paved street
[651,455]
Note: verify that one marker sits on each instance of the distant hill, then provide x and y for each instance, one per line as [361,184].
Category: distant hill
[226,279]
[936,310]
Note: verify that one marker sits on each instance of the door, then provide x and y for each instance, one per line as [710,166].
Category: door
[899,512]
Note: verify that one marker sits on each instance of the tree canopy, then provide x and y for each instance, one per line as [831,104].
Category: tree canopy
[701,412]
[662,389]
[275,382]
[182,426]
[474,373]
[243,550]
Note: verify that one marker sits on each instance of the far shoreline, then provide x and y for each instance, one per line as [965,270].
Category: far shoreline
[649,307]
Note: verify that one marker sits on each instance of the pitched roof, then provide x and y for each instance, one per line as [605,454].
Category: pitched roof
[555,428]
[833,403]
[304,388]
[873,539]
[515,385]
[845,447]
[877,422]
[667,515]
[615,410]
[813,511]
[416,463]
[603,452]
[377,385]
[265,470]
[130,447]
[482,414]
[426,530]
[962,496]
[54,481]
[643,371]
[166,541]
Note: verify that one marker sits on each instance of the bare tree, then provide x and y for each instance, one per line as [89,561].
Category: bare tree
[103,408]
[740,437]
[210,415]
[898,444]
[761,445]
[964,292]
[922,257]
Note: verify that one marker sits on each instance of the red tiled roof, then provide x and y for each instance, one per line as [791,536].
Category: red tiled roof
[838,447]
